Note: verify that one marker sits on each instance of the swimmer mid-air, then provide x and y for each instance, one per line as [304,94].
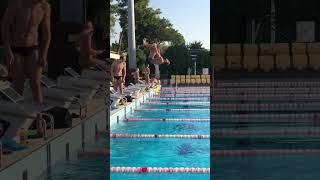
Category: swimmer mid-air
[154,55]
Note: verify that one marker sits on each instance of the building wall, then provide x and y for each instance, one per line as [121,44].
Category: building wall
[230,19]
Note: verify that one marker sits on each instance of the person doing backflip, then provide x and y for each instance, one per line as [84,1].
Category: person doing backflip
[154,56]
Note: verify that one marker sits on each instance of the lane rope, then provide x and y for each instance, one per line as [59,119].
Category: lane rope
[166,120]
[175,136]
[314,133]
[161,170]
[264,152]
[171,110]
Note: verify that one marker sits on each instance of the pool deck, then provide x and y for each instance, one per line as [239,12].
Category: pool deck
[42,154]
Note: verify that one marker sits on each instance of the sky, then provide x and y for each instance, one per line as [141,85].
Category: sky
[190,17]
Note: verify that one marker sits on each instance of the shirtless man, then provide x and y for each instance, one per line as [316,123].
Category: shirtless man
[147,74]
[25,56]
[136,76]
[154,55]
[118,73]
[87,53]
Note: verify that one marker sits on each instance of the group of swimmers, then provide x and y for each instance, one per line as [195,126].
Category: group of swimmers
[118,68]
[26,53]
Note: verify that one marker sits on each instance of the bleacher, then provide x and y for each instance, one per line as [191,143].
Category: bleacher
[190,80]
[280,57]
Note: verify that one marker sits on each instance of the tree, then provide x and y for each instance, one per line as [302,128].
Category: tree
[148,24]
[196,45]
[113,18]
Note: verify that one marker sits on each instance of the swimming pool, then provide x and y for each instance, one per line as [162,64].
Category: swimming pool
[153,118]
[262,133]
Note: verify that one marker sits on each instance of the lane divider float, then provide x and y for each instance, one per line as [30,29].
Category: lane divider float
[165,120]
[171,110]
[175,103]
[264,152]
[161,136]
[292,133]
[167,170]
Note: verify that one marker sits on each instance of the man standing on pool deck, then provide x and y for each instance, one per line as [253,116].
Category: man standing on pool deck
[118,73]
[154,55]
[147,74]
[136,76]
[24,55]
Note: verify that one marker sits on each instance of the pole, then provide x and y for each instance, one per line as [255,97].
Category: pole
[131,36]
[273,19]
[157,71]
[253,31]
[195,67]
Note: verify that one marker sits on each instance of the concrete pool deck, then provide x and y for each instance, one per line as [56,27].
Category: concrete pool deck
[41,154]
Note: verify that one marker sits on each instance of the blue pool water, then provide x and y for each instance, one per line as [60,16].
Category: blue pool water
[141,152]
[266,168]
[178,106]
[146,152]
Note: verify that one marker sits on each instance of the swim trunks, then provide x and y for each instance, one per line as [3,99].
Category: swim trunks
[24,51]
[117,77]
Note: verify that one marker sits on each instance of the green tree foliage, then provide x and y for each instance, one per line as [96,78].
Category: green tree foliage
[196,45]
[113,18]
[180,60]
[141,59]
[149,24]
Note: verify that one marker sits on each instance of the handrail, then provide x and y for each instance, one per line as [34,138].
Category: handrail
[51,119]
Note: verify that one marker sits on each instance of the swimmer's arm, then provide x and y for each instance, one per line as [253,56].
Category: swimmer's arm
[46,33]
[6,23]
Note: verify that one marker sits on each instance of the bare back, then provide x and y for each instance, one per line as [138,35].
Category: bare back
[27,18]
[153,50]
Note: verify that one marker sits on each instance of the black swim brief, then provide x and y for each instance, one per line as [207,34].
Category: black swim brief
[24,51]
[117,77]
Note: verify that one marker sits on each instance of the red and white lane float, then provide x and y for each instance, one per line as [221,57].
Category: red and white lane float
[160,170]
[170,110]
[179,99]
[176,103]
[186,96]
[264,152]
[292,133]
[159,136]
[267,118]
[267,107]
[165,120]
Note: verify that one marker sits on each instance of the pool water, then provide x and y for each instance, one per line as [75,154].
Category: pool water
[264,167]
[143,152]
[267,168]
